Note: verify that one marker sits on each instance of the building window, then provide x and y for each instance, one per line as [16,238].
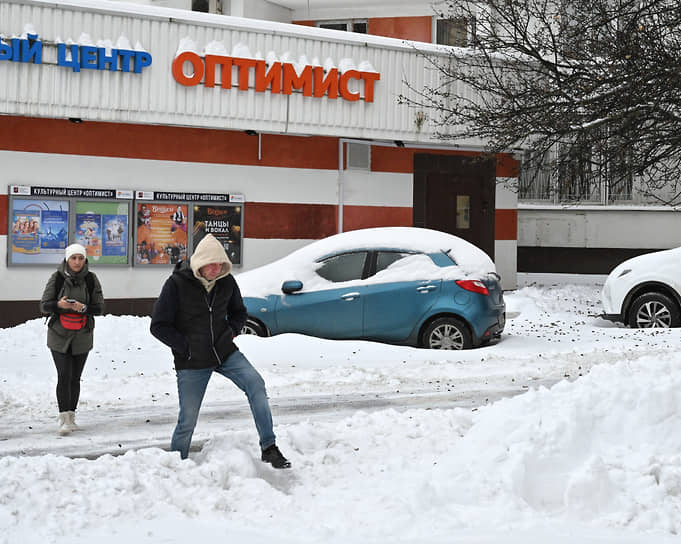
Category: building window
[584,177]
[458,32]
[208,6]
[360,26]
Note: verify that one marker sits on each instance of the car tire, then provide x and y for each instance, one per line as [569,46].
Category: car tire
[253,327]
[447,333]
[654,310]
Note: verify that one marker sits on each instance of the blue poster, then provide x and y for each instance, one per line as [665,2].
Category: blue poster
[53,229]
[25,231]
[115,235]
[89,233]
[38,233]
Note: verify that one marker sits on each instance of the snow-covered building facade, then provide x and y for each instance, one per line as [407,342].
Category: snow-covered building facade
[125,127]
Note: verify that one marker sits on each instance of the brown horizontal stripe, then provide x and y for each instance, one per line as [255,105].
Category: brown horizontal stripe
[574,260]
[4,209]
[506,224]
[364,217]
[289,221]
[396,159]
[152,142]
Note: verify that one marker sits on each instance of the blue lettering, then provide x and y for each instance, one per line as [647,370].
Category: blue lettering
[88,57]
[125,55]
[103,60]
[63,61]
[32,49]
[5,51]
[142,60]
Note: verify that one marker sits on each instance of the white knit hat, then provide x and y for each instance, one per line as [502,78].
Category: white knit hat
[74,249]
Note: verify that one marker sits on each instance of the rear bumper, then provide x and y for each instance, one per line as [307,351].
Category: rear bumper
[495,330]
[615,318]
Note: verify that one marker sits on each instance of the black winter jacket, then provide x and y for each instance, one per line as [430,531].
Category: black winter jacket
[197,325]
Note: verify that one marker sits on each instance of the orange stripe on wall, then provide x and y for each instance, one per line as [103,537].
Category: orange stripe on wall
[395,159]
[289,221]
[312,221]
[165,143]
[364,217]
[506,225]
[404,28]
[4,207]
[507,166]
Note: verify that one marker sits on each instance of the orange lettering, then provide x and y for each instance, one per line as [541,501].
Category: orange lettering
[225,71]
[293,81]
[322,84]
[344,91]
[369,78]
[243,66]
[265,78]
[178,69]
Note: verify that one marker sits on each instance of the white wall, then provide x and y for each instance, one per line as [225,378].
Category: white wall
[593,227]
[257,184]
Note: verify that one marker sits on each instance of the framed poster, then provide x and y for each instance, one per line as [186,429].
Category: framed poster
[223,222]
[161,232]
[38,230]
[103,229]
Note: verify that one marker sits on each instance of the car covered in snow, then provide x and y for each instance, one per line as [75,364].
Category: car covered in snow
[400,285]
[645,292]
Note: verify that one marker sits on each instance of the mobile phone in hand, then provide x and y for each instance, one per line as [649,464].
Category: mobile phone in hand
[71,300]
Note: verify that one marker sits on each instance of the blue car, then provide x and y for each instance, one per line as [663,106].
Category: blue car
[399,285]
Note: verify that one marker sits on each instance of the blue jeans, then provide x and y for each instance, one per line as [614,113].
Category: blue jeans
[191,386]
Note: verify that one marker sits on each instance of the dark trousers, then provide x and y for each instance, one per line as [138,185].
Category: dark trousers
[69,369]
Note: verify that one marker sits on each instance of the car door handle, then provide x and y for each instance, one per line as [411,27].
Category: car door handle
[350,296]
[426,288]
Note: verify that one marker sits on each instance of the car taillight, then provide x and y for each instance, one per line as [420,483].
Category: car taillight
[473,285]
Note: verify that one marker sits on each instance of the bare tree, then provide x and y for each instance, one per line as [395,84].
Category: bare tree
[590,89]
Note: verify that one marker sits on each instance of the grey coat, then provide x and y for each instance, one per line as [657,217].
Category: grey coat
[58,338]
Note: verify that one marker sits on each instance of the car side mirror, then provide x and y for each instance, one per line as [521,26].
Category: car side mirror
[291,286]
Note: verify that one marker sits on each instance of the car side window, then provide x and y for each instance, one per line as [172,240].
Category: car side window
[344,267]
[385,258]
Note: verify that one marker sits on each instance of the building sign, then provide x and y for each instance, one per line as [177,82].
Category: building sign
[170,224]
[44,220]
[276,77]
[74,56]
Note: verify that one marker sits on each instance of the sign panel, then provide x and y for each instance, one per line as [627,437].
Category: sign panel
[39,231]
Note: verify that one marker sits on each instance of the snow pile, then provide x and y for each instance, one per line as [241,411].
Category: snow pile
[592,460]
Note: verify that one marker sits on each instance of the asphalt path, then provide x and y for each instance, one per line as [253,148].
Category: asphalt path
[114,432]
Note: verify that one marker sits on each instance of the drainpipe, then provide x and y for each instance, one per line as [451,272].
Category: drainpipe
[341,187]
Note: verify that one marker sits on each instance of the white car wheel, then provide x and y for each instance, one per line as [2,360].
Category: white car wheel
[654,310]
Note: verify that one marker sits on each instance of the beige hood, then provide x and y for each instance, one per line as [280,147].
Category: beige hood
[209,250]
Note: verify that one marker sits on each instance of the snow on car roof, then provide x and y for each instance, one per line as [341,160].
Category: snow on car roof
[471,260]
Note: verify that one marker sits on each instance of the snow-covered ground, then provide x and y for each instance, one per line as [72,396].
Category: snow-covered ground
[594,458]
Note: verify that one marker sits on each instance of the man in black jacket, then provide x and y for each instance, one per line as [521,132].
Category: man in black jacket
[198,314]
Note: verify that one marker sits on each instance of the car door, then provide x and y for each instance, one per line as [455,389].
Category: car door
[334,312]
[392,309]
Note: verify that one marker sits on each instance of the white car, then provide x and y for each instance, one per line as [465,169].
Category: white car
[645,291]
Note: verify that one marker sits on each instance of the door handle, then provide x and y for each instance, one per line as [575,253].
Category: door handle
[350,296]
[426,288]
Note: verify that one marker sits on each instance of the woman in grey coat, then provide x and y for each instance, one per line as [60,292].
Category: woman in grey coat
[72,297]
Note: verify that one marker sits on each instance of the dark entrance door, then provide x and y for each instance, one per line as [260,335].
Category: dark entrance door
[455,194]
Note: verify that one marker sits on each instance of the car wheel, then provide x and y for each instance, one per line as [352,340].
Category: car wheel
[253,327]
[654,310]
[447,333]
